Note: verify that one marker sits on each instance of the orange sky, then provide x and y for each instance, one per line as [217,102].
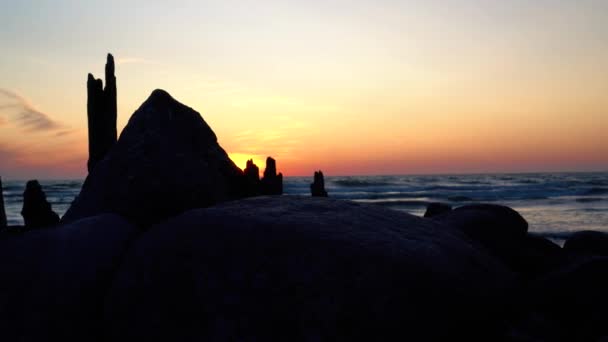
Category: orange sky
[378,87]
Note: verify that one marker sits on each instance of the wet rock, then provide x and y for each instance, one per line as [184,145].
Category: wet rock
[167,160]
[317,188]
[587,243]
[101,114]
[271,184]
[301,269]
[3,222]
[53,281]
[436,208]
[37,212]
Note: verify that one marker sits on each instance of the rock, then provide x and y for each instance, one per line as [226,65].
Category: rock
[587,242]
[436,208]
[317,188]
[272,184]
[503,232]
[167,160]
[574,297]
[252,179]
[101,113]
[53,281]
[37,212]
[533,256]
[305,269]
[3,222]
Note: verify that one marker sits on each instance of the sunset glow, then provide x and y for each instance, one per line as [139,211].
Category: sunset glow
[357,87]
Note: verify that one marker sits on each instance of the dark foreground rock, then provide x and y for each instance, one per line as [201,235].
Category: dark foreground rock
[587,243]
[504,233]
[574,299]
[166,160]
[53,281]
[304,269]
[436,209]
[37,211]
[317,188]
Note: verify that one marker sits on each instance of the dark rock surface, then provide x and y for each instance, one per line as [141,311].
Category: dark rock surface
[101,114]
[587,243]
[317,188]
[575,299]
[3,222]
[486,221]
[53,281]
[37,211]
[304,269]
[436,209]
[272,183]
[166,160]
[504,233]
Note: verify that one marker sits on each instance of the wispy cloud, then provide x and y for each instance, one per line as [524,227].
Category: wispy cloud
[18,109]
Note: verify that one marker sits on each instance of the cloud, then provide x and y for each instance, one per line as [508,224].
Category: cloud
[24,114]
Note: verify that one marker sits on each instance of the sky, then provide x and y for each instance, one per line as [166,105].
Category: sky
[348,87]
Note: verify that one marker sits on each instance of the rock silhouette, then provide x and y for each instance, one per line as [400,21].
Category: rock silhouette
[587,242]
[37,212]
[298,269]
[317,188]
[101,114]
[436,208]
[166,160]
[3,222]
[54,280]
[271,184]
[252,179]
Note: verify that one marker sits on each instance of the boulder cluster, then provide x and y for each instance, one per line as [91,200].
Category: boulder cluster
[163,244]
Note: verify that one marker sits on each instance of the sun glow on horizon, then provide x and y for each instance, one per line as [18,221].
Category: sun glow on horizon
[240,159]
[372,87]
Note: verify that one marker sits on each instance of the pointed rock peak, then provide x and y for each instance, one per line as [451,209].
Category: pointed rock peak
[160,98]
[110,64]
[160,94]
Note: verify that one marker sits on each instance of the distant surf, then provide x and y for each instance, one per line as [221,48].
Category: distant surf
[555,204]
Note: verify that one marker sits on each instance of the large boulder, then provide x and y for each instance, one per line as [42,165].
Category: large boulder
[166,160]
[504,233]
[574,298]
[305,269]
[486,221]
[53,281]
[436,208]
[587,243]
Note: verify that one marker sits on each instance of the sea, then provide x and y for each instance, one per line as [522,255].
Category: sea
[554,204]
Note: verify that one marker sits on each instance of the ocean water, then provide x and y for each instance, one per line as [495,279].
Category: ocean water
[554,204]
